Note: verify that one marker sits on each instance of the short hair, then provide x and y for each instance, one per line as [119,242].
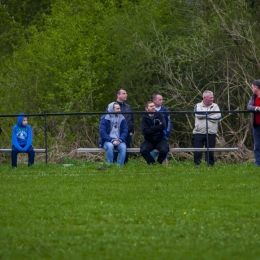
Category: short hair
[118,91]
[154,96]
[256,83]
[207,92]
[148,103]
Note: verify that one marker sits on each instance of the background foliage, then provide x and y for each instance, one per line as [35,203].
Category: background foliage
[71,56]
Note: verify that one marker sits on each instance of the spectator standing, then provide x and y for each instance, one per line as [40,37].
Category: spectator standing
[254,105]
[121,97]
[200,130]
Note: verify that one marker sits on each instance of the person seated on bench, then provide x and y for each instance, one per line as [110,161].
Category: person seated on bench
[22,140]
[153,126]
[113,132]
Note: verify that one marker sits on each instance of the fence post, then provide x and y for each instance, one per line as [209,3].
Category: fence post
[207,138]
[45,139]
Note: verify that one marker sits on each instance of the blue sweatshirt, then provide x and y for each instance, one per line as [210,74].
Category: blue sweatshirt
[21,135]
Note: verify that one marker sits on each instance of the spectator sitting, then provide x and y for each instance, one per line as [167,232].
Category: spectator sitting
[22,140]
[113,132]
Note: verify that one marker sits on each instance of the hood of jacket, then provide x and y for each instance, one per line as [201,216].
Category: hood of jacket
[110,107]
[20,119]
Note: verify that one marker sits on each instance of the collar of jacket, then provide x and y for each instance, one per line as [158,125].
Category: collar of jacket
[120,103]
[203,104]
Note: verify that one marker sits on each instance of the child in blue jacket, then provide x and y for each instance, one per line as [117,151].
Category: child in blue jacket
[22,140]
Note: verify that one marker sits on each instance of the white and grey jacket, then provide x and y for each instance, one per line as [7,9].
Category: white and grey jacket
[200,119]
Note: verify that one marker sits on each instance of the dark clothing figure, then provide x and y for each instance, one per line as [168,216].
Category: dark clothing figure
[130,125]
[153,130]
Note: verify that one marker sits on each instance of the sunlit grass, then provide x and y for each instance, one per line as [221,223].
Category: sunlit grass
[131,212]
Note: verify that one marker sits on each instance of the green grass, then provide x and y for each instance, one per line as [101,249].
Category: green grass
[131,212]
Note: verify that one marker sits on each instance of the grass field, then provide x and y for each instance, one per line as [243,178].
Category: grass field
[131,212]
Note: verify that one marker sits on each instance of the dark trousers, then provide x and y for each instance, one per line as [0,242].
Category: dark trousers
[162,146]
[199,140]
[256,135]
[30,152]
[128,142]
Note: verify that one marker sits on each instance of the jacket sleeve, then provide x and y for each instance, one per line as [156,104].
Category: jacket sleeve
[151,130]
[103,130]
[14,140]
[215,117]
[131,122]
[197,108]
[250,105]
[29,139]
[123,131]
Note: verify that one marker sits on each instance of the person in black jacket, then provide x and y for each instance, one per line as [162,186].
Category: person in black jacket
[153,126]
[121,97]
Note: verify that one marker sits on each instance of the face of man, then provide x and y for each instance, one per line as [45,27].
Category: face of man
[158,101]
[255,89]
[122,96]
[150,108]
[117,108]
[208,99]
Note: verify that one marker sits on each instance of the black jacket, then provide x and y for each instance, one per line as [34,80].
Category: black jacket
[152,130]
[128,117]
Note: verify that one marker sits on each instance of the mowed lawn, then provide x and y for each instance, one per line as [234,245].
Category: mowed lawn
[131,212]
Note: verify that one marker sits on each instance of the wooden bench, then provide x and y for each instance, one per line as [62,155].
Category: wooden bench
[35,150]
[137,150]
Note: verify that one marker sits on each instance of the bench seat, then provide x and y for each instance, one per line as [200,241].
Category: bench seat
[137,150]
[10,150]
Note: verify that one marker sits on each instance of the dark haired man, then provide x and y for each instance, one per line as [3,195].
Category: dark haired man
[158,101]
[153,126]
[121,97]
[254,105]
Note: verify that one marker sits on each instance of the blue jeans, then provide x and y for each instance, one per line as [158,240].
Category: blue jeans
[30,152]
[128,145]
[256,135]
[109,147]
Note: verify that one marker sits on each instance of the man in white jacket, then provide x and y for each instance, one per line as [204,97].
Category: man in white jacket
[200,131]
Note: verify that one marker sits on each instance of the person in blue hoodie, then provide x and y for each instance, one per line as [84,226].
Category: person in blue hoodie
[22,140]
[113,131]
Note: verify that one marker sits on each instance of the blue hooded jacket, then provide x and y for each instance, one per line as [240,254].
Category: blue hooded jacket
[107,121]
[21,135]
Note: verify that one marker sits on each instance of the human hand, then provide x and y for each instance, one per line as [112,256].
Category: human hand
[116,143]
